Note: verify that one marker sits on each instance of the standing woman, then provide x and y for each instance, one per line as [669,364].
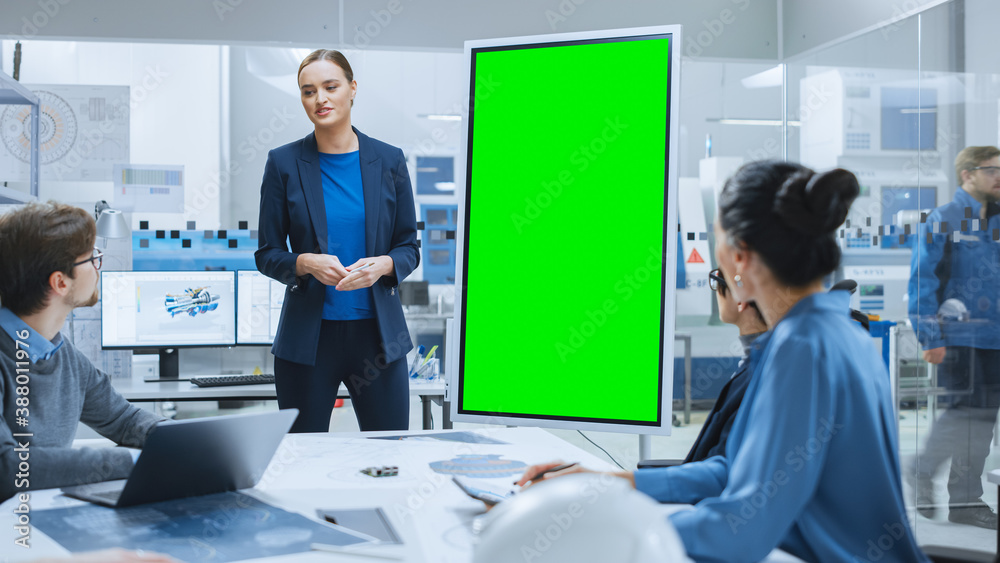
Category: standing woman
[812,461]
[343,203]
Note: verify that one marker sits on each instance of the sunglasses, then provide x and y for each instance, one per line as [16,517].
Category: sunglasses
[716,281]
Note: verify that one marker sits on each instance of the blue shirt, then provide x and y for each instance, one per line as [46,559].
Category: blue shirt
[36,345]
[344,199]
[958,262]
[811,464]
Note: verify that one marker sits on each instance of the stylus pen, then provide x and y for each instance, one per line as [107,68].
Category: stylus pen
[349,551]
[359,268]
[551,470]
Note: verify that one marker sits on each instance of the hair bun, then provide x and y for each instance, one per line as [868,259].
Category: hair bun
[816,204]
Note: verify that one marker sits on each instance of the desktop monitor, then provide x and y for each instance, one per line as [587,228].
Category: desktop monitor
[909,119]
[258,307]
[166,311]
[566,280]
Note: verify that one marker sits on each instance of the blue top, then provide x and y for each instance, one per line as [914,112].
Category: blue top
[344,199]
[37,346]
[293,222]
[959,262]
[811,464]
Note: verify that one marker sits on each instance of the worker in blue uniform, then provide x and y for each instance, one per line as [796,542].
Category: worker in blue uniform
[954,305]
[812,462]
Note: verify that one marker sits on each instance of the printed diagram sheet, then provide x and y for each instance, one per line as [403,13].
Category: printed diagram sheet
[211,529]
[83,131]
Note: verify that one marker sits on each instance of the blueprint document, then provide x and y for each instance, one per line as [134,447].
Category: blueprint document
[217,528]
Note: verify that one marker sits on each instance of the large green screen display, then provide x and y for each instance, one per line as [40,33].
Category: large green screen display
[565,232]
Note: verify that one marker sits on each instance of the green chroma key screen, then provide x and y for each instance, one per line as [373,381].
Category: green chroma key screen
[564,246]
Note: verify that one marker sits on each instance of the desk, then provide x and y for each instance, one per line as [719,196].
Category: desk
[919,382]
[433,317]
[139,391]
[310,471]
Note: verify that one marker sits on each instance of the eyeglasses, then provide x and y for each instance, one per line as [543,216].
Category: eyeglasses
[992,171]
[716,281]
[95,259]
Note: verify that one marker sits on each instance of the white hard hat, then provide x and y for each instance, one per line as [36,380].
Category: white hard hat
[576,519]
[953,310]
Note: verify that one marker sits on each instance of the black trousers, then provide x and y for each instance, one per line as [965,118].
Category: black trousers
[964,431]
[348,352]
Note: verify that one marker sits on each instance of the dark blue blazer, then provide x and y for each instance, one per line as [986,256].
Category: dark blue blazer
[293,221]
[711,440]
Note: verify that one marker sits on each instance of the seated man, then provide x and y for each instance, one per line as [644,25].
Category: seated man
[712,438]
[48,267]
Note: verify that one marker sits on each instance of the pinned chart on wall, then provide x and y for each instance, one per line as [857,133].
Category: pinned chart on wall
[83,132]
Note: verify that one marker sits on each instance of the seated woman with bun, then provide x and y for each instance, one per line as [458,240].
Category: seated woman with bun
[812,462]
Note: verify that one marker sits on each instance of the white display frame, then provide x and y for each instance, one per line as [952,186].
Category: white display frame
[454,390]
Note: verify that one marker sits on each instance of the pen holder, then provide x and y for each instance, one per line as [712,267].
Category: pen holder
[429,370]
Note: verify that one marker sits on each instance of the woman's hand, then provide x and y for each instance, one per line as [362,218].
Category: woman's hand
[365,272]
[324,267]
[531,472]
[534,470]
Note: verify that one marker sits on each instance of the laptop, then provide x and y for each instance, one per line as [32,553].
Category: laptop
[200,456]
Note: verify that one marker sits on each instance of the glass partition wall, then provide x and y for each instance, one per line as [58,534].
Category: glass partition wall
[897,106]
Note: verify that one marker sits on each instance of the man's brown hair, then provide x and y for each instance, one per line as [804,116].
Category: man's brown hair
[35,241]
[971,157]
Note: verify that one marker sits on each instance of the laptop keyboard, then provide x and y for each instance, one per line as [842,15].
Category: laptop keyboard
[112,496]
[224,380]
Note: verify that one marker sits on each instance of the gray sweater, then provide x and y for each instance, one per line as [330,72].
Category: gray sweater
[63,391]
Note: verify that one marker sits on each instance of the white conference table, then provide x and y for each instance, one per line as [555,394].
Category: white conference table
[431,515]
[137,390]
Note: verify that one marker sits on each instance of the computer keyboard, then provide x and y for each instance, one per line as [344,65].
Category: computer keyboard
[112,496]
[223,380]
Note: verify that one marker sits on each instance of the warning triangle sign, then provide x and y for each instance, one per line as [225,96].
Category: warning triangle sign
[695,258]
